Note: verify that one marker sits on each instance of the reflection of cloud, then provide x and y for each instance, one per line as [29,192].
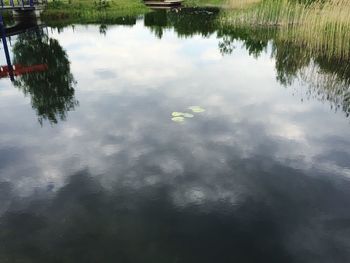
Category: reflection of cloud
[105,74]
[116,130]
[71,132]
[110,149]
[256,157]
[211,55]
[123,53]
[300,223]
[290,131]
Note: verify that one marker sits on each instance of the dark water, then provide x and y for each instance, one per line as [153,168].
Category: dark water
[93,169]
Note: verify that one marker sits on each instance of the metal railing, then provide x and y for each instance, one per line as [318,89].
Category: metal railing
[10,4]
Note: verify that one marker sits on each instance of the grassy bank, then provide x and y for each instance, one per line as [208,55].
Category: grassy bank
[322,25]
[97,10]
[93,11]
[202,3]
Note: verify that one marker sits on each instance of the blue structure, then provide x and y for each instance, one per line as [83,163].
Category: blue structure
[23,9]
[25,22]
[6,50]
[22,5]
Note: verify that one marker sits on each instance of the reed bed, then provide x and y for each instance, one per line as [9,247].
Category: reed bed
[322,25]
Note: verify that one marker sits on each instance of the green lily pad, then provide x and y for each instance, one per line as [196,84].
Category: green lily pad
[196,109]
[178,119]
[177,114]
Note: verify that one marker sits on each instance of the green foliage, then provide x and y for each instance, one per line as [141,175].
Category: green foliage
[101,5]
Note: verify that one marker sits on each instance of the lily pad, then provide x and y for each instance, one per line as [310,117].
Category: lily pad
[196,109]
[178,119]
[177,114]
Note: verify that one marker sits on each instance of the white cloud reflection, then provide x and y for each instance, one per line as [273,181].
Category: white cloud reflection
[122,131]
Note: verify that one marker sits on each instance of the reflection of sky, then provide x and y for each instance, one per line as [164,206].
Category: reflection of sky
[255,141]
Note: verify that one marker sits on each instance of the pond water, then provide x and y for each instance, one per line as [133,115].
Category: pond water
[93,167]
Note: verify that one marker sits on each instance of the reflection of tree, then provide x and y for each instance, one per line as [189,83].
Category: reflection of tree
[156,21]
[289,60]
[186,22]
[103,29]
[123,20]
[327,85]
[326,79]
[51,91]
[253,42]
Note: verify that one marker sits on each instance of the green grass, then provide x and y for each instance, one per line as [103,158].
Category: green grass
[217,3]
[93,11]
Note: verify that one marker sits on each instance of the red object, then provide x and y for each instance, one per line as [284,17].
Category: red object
[19,69]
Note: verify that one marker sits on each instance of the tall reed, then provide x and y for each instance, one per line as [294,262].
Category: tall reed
[322,25]
[241,4]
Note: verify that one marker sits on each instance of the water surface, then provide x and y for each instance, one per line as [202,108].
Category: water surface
[93,169]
